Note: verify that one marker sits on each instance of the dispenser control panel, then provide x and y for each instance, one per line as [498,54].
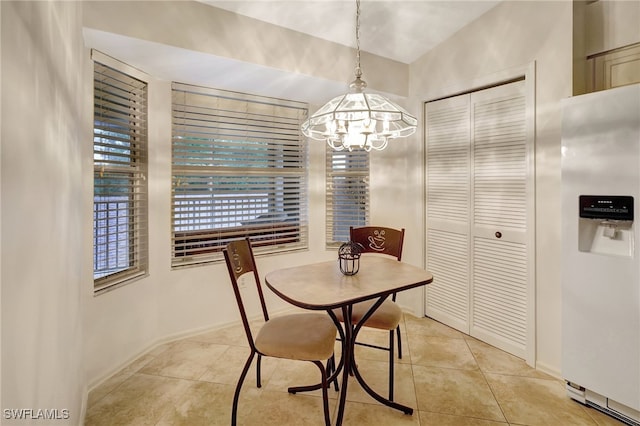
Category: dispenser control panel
[607,207]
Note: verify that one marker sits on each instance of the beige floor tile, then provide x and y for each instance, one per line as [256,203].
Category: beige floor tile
[494,360]
[228,366]
[202,404]
[117,379]
[288,373]
[380,338]
[534,401]
[163,347]
[140,400]
[438,419]
[359,414]
[232,335]
[446,352]
[191,382]
[105,388]
[428,327]
[376,375]
[458,392]
[187,360]
[282,408]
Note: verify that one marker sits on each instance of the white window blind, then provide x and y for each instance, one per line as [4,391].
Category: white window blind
[120,167]
[238,170]
[347,193]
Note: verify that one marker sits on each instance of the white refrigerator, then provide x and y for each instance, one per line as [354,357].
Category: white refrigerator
[600,253]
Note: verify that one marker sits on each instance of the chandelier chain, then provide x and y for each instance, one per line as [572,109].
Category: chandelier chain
[359,120]
[358,70]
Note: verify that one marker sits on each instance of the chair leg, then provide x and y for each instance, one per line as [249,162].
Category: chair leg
[236,395]
[325,395]
[258,376]
[399,342]
[391,364]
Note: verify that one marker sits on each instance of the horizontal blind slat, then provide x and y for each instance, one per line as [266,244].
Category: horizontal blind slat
[239,170]
[120,231]
[347,193]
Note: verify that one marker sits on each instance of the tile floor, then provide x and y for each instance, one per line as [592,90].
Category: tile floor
[448,377]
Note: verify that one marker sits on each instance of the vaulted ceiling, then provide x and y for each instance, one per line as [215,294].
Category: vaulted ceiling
[396,29]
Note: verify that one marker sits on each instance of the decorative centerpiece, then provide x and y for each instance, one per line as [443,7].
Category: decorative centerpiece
[349,257]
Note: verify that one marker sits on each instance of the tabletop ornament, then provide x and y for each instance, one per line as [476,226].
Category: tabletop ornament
[349,257]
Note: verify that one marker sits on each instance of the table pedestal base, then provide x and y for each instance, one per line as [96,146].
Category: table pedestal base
[348,336]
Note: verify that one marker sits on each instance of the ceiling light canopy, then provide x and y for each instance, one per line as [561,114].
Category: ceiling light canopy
[358,119]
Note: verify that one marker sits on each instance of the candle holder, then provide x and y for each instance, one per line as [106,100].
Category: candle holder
[349,257]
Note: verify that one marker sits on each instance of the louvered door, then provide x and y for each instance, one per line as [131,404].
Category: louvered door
[448,209]
[499,220]
[480,253]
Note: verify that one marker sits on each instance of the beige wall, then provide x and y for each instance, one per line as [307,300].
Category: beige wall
[44,151]
[200,28]
[511,36]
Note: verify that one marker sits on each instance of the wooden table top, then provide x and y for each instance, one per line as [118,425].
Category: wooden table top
[322,286]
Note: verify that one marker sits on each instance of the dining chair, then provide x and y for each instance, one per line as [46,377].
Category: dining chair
[304,337]
[385,241]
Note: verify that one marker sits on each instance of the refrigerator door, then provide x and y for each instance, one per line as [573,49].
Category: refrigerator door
[600,260]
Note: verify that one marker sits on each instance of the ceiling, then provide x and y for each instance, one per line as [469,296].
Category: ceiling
[402,30]
[396,29]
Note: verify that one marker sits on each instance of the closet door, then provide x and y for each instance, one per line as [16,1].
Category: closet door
[479,215]
[448,210]
[500,261]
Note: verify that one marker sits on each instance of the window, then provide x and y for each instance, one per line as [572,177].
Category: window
[119,179]
[238,170]
[347,193]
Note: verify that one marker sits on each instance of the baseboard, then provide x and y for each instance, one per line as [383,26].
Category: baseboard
[547,369]
[83,406]
[411,311]
[152,346]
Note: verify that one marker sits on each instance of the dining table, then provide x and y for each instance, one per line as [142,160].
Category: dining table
[322,286]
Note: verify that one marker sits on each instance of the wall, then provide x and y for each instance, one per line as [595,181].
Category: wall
[197,27]
[514,34]
[43,146]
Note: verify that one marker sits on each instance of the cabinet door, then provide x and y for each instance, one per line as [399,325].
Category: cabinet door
[617,68]
[448,209]
[499,271]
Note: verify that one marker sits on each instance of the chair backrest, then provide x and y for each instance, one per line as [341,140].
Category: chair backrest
[240,260]
[378,239]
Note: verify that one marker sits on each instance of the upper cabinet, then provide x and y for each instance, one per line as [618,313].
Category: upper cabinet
[606,44]
[615,68]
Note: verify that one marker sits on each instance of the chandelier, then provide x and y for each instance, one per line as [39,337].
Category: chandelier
[358,119]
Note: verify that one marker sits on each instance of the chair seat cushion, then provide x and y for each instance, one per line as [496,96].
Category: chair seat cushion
[386,317]
[305,337]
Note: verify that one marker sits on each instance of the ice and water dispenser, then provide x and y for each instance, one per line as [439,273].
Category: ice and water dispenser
[606,225]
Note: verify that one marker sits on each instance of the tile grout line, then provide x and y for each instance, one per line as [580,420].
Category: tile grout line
[486,381]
